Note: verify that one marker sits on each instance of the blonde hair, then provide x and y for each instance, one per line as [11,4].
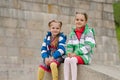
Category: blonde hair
[60,23]
[85,14]
[55,42]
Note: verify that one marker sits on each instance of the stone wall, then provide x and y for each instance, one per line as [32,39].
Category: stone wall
[23,25]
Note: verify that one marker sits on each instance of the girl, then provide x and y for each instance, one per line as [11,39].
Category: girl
[52,50]
[79,46]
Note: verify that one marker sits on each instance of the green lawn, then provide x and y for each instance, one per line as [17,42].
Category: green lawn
[116,7]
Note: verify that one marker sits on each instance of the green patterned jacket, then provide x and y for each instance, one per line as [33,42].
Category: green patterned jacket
[82,47]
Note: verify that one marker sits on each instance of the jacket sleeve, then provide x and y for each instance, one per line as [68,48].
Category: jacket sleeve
[88,44]
[44,53]
[61,47]
[70,46]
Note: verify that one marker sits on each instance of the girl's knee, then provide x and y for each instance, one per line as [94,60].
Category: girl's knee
[53,65]
[73,60]
[67,59]
[41,69]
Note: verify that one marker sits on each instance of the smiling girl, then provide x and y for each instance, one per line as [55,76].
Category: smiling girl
[79,46]
[52,50]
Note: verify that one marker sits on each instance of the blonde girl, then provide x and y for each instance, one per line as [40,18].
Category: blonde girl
[52,50]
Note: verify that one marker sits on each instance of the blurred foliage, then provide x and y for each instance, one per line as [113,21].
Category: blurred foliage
[116,7]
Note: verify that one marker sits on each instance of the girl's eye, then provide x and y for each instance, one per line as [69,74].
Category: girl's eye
[57,28]
[77,19]
[53,28]
[82,20]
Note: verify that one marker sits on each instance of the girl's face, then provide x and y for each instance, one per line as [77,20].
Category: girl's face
[80,20]
[55,28]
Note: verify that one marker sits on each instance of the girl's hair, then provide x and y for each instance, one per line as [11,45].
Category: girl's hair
[60,23]
[85,14]
[55,42]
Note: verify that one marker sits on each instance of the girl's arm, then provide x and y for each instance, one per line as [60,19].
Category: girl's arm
[61,47]
[70,46]
[44,49]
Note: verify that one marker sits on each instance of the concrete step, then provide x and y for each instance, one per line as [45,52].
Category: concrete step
[92,72]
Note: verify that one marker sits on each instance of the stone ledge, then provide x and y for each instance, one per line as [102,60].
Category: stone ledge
[91,72]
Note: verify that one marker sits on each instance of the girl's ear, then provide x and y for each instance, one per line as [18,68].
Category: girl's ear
[86,22]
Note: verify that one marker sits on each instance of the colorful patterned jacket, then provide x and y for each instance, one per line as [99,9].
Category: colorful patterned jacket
[45,51]
[82,47]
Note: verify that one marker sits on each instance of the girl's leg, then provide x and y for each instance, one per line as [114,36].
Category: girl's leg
[54,70]
[73,63]
[66,68]
[41,73]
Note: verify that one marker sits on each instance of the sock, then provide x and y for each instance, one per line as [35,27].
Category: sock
[73,63]
[41,73]
[54,70]
[66,68]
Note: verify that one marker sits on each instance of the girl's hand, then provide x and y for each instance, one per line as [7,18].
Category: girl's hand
[51,59]
[68,54]
[73,54]
[47,61]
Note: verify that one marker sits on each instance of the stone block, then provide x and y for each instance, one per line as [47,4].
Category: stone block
[34,25]
[53,9]
[2,41]
[97,14]
[9,22]
[64,10]
[13,51]
[108,24]
[23,34]
[33,43]
[36,34]
[96,6]
[64,19]
[13,60]
[108,8]
[31,6]
[100,30]
[3,51]
[20,14]
[55,2]
[9,32]
[99,1]
[26,52]
[22,24]
[3,60]
[108,16]
[10,13]
[30,15]
[111,33]
[10,42]
[4,3]
[3,72]
[34,1]
[64,3]
[82,4]
[110,1]
[95,22]
[13,13]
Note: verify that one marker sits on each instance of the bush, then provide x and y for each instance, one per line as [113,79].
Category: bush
[116,7]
